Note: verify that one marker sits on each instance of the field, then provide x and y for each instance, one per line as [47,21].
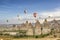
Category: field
[5,37]
[29,38]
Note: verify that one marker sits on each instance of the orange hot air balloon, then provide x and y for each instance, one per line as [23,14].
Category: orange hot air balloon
[35,14]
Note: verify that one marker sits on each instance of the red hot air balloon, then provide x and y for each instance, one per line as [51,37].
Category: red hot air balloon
[35,14]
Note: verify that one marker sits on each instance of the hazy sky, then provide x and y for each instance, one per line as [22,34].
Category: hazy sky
[10,8]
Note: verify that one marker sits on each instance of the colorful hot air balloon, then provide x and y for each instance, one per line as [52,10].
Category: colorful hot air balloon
[35,14]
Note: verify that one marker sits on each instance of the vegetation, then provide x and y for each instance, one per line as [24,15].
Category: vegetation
[22,34]
[1,33]
[42,36]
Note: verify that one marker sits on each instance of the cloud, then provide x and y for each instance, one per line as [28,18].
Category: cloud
[55,12]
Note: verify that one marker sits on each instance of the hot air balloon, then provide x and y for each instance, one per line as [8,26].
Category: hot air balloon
[7,23]
[6,20]
[18,17]
[35,14]
[25,11]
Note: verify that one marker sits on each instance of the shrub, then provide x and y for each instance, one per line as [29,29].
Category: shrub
[1,33]
[55,35]
[6,34]
[43,35]
[36,36]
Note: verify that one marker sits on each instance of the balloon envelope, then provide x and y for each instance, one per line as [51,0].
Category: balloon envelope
[7,20]
[25,11]
[17,15]
[35,14]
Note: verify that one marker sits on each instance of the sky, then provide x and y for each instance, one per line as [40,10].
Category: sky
[9,9]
